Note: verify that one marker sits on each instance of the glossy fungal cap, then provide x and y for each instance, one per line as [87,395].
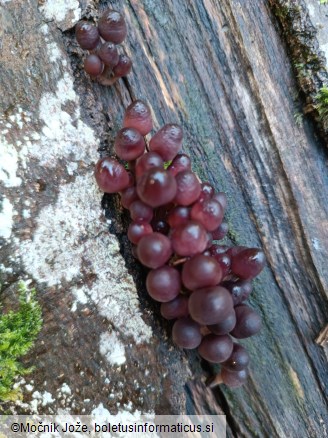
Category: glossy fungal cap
[123,66]
[87,35]
[201,271]
[156,187]
[93,65]
[209,213]
[221,198]
[248,322]
[215,348]
[178,216]
[180,163]
[111,176]
[210,305]
[154,250]
[240,290]
[225,325]
[138,116]
[188,188]
[221,231]
[247,264]
[163,284]
[128,196]
[207,191]
[177,308]
[112,26]
[238,360]
[224,261]
[108,53]
[189,239]
[186,333]
[234,379]
[167,141]
[137,230]
[147,162]
[129,144]
[140,212]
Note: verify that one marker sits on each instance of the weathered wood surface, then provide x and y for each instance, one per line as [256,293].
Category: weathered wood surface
[304,25]
[221,70]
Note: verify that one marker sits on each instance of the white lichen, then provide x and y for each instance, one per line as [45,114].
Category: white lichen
[62,135]
[26,214]
[65,389]
[6,218]
[57,249]
[72,168]
[69,236]
[64,12]
[47,398]
[44,29]
[8,164]
[6,269]
[112,348]
[55,54]
[40,398]
[311,9]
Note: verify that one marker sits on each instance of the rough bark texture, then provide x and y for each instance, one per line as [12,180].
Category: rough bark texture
[304,26]
[221,70]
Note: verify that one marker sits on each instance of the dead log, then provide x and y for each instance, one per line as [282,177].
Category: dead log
[219,69]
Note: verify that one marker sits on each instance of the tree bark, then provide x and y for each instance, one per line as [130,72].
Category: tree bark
[219,69]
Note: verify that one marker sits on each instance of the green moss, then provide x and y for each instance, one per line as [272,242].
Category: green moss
[298,117]
[281,11]
[305,60]
[18,331]
[232,234]
[322,104]
[167,163]
[284,10]
[308,63]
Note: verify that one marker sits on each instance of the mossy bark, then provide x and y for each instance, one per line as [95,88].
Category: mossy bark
[300,33]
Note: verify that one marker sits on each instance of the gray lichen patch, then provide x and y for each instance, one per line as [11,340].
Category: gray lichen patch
[112,348]
[62,134]
[113,291]
[96,348]
[71,242]
[65,13]
[55,252]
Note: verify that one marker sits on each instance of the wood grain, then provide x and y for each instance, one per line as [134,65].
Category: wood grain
[221,70]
